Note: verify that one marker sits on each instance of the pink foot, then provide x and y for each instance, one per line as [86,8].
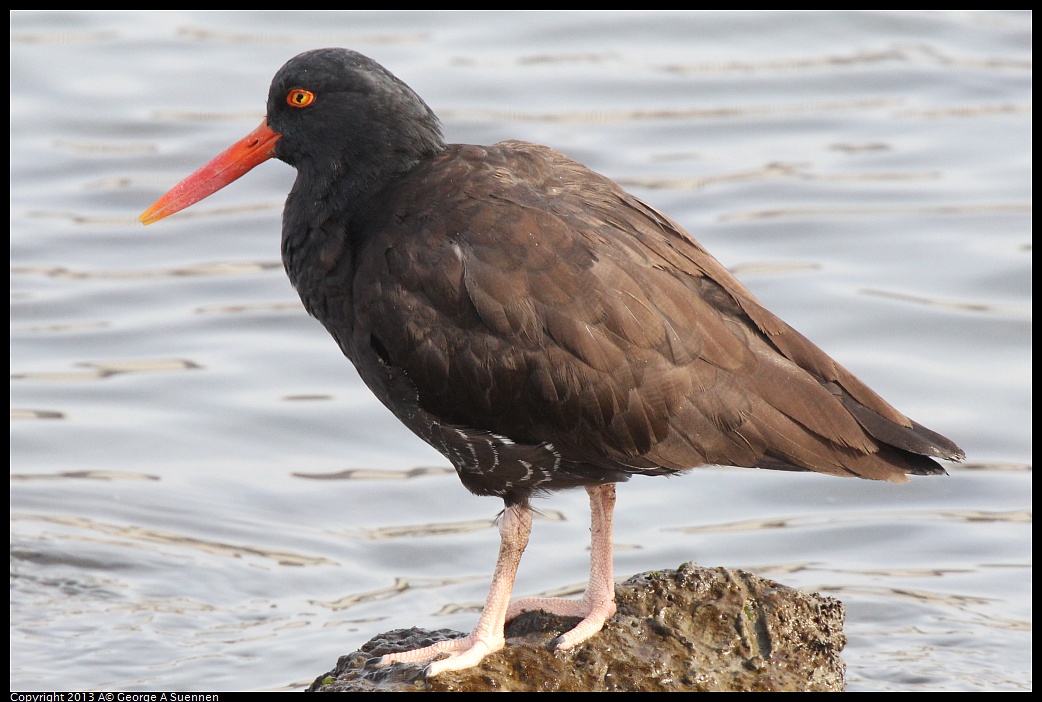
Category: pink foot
[465,652]
[594,611]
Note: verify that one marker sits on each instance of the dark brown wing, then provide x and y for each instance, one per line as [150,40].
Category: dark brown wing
[544,305]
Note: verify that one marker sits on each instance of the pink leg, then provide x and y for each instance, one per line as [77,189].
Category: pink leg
[487,637]
[598,603]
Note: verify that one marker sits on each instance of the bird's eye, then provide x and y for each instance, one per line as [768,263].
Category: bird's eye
[298,97]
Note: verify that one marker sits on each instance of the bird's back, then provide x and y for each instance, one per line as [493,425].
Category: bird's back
[505,299]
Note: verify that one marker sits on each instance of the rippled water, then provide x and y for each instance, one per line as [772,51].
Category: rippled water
[204,495]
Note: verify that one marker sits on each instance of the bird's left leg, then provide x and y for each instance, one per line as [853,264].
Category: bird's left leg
[487,636]
[598,602]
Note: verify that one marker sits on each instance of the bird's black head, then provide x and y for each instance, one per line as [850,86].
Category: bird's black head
[341,114]
[342,120]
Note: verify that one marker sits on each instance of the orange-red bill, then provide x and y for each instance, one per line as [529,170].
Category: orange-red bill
[241,157]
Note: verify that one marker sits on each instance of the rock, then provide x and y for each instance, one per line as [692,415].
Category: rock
[690,629]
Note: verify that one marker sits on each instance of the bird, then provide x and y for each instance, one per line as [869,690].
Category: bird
[538,325]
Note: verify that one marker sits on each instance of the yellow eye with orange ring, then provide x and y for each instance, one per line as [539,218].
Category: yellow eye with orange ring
[298,97]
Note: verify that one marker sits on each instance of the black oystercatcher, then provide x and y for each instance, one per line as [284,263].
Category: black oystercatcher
[536,324]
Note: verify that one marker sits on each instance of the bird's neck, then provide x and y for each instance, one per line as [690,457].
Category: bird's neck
[316,246]
[323,228]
